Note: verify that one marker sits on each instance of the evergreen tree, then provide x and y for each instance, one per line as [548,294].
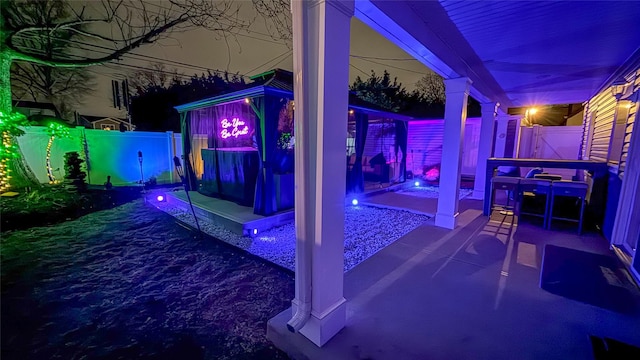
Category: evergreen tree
[382,91]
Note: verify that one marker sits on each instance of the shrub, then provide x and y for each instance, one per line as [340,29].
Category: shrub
[432,173]
[73,170]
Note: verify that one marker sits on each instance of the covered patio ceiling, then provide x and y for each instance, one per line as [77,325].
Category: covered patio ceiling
[518,53]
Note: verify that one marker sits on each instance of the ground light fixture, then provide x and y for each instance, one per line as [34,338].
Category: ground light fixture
[255,231]
[417,183]
[354,202]
[160,198]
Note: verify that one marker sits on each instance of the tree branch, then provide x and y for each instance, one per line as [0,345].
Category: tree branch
[17,54]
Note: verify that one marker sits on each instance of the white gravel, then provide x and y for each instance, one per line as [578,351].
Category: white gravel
[367,230]
[430,192]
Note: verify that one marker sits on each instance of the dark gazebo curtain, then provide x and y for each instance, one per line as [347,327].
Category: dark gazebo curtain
[191,182]
[201,130]
[402,133]
[357,178]
[267,109]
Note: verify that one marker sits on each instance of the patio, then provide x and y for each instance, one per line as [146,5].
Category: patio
[466,44]
[474,293]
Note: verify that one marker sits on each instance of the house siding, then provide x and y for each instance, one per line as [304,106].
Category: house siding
[601,111]
[424,145]
[631,119]
[599,137]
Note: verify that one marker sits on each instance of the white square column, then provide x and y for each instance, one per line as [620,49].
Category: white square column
[455,116]
[485,146]
[321,83]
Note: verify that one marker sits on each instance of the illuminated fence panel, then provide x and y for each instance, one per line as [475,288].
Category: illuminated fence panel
[33,145]
[109,153]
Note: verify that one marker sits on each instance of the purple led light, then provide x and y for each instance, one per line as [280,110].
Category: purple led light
[233,128]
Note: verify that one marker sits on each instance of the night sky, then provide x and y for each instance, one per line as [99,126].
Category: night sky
[249,52]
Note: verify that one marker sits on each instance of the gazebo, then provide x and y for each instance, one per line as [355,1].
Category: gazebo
[240,146]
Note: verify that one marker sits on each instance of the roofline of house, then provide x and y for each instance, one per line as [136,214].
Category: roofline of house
[27,104]
[103,118]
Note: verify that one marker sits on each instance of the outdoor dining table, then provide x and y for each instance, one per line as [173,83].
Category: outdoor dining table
[597,169]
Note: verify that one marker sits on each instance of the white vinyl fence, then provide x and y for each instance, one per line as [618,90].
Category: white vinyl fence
[108,153]
[551,142]
[424,145]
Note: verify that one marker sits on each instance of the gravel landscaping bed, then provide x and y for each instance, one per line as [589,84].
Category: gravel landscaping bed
[367,230]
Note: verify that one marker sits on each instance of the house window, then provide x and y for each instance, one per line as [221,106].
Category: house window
[108,127]
[617,138]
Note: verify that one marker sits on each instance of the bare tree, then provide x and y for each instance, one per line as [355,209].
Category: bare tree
[277,17]
[431,88]
[109,29]
[158,75]
[63,87]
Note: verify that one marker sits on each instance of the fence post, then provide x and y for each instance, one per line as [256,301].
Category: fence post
[171,154]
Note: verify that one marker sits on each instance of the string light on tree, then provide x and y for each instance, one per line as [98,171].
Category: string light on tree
[4,169]
[10,124]
[54,129]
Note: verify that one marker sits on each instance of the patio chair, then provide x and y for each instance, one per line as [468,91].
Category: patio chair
[533,189]
[574,189]
[509,184]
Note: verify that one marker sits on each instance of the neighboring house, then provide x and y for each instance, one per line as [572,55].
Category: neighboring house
[106,123]
[104,100]
[29,108]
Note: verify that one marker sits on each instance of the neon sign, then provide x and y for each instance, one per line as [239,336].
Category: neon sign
[234,127]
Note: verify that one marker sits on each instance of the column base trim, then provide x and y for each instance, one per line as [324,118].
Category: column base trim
[320,328]
[447,221]
[478,194]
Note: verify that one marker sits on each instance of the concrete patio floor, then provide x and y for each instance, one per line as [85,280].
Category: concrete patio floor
[407,202]
[469,293]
